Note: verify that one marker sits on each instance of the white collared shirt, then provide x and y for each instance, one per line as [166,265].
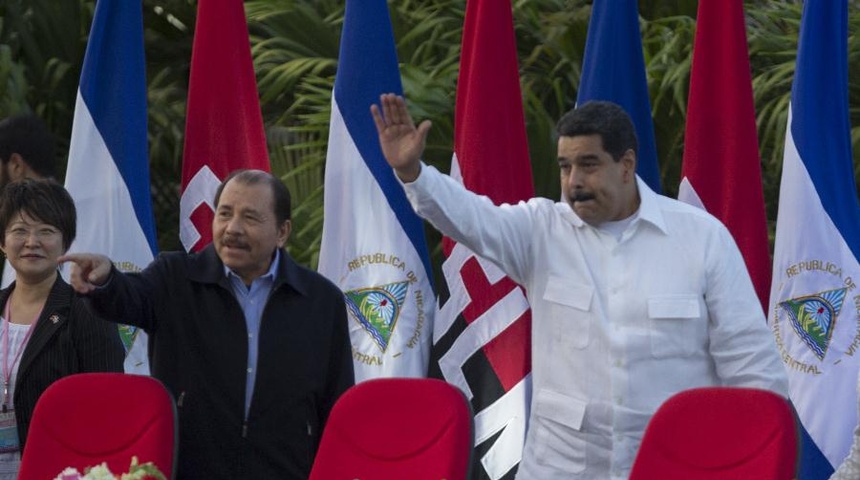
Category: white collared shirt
[618,325]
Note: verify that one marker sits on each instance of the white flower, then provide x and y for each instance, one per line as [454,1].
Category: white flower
[69,474]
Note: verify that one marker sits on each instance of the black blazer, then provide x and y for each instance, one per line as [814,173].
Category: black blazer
[67,339]
[198,345]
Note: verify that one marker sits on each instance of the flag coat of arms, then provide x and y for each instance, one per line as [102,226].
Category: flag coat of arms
[373,244]
[814,297]
[482,335]
[613,69]
[722,171]
[108,170]
[224,125]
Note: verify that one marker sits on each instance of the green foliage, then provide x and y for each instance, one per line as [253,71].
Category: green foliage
[295,48]
[668,46]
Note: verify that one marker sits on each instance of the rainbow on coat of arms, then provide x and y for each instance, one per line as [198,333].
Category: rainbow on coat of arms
[127,334]
[377,309]
[814,317]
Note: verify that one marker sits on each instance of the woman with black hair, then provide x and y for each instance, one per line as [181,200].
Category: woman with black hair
[45,331]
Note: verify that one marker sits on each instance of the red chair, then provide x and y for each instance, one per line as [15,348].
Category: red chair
[719,433]
[397,428]
[85,419]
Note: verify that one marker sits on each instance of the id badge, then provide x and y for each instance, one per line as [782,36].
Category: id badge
[8,432]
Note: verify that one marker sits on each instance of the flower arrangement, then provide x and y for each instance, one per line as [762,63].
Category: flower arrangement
[101,472]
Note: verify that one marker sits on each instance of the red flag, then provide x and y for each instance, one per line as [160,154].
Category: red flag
[491,155]
[224,125]
[722,169]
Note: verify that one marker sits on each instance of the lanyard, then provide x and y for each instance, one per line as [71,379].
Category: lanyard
[7,371]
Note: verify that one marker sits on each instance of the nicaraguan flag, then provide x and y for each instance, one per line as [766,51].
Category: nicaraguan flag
[108,170]
[373,244]
[613,69]
[814,296]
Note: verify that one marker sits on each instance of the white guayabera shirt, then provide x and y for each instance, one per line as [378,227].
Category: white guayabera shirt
[618,325]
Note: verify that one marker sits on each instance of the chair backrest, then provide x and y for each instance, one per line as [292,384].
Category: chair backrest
[719,433]
[85,419]
[397,428]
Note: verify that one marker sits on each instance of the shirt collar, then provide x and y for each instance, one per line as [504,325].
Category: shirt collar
[271,274]
[649,208]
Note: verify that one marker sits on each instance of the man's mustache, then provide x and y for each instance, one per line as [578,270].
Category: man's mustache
[234,242]
[581,196]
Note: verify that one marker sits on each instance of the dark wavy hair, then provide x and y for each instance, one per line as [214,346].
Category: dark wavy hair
[606,119]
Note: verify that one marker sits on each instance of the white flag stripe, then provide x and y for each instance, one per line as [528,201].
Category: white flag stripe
[459,297]
[505,413]
[687,194]
[89,153]
[200,190]
[482,331]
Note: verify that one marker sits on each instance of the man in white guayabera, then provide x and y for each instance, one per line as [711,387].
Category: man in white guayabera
[634,296]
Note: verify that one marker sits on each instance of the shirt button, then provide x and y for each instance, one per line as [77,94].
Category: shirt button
[250,370]
[250,335]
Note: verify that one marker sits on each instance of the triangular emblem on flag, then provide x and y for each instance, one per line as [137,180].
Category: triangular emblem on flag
[814,317]
[377,309]
[128,334]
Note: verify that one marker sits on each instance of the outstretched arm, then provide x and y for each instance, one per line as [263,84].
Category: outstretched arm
[115,296]
[401,141]
[89,271]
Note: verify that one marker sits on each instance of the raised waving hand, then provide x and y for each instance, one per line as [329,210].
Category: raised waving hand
[401,141]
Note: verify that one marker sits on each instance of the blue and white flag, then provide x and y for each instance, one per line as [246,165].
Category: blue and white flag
[814,297]
[108,170]
[613,69]
[373,244]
